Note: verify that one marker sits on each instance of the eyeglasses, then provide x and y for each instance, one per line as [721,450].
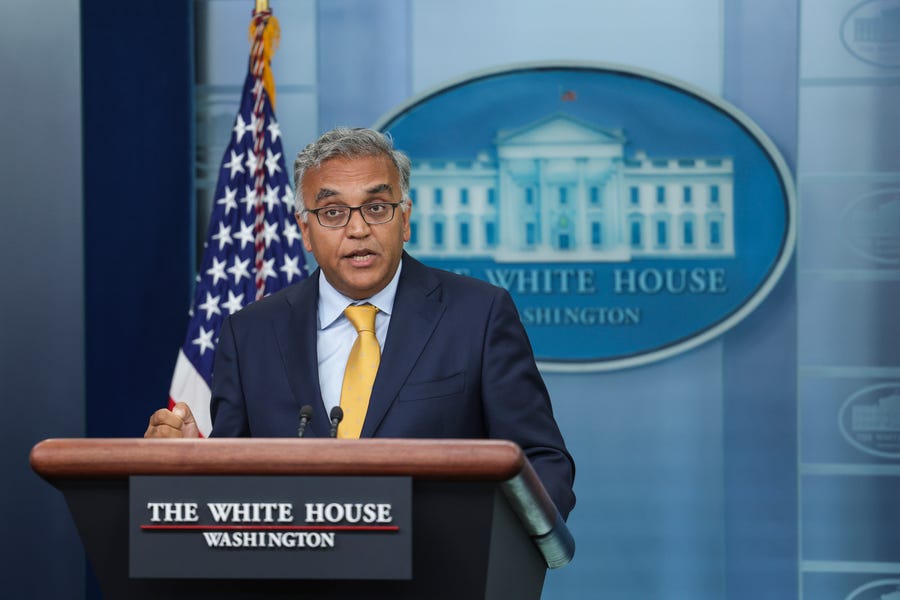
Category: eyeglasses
[374,213]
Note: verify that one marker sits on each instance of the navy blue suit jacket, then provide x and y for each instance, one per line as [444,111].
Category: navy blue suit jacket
[456,364]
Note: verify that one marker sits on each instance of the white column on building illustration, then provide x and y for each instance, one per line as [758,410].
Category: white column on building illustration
[542,204]
[615,213]
[608,196]
[432,214]
[475,210]
[509,217]
[422,210]
[451,220]
[582,227]
[728,210]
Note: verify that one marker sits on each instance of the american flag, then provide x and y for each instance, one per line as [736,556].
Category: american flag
[253,246]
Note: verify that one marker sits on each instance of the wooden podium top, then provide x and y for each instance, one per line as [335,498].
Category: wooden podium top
[62,460]
[484,460]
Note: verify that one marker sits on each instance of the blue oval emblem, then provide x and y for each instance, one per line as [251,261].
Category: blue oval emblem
[870,32]
[631,217]
[870,420]
[870,226]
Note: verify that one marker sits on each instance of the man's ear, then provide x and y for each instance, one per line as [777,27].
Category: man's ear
[405,215]
[304,230]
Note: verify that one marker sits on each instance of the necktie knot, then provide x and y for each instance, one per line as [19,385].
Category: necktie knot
[362,317]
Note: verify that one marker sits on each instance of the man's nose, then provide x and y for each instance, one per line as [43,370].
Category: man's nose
[357,226]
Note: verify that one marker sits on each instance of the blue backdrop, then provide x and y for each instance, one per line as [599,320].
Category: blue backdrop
[759,465]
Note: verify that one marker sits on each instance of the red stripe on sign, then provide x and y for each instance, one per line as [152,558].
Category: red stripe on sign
[270,527]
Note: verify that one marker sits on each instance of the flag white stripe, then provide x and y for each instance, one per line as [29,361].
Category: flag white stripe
[189,387]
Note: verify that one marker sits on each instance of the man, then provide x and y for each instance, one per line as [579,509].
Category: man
[455,361]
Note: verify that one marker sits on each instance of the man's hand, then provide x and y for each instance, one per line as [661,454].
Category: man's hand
[175,423]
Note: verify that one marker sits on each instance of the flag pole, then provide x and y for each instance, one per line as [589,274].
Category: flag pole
[253,174]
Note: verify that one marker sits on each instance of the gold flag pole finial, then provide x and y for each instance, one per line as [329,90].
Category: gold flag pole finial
[264,35]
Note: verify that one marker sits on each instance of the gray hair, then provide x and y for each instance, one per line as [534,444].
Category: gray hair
[343,142]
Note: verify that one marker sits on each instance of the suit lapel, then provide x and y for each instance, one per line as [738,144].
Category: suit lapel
[297,342]
[417,310]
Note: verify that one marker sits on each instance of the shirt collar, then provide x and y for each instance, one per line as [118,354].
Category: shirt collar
[332,303]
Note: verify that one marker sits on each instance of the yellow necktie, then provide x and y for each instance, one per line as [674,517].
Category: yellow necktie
[362,365]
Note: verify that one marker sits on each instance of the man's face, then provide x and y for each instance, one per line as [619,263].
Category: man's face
[360,259]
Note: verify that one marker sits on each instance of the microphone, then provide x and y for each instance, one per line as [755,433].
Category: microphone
[306,415]
[336,416]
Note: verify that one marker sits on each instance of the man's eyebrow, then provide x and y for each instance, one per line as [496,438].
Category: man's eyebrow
[378,189]
[325,193]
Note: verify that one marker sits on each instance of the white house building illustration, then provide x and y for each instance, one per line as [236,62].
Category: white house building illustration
[563,190]
[882,416]
[882,28]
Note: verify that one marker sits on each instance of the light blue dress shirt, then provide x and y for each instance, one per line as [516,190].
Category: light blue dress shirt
[336,335]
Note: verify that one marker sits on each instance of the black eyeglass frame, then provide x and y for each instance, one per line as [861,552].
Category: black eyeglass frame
[316,211]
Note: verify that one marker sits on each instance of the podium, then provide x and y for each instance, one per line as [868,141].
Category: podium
[482,524]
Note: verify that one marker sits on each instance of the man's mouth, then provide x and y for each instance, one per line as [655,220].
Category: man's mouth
[360,256]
